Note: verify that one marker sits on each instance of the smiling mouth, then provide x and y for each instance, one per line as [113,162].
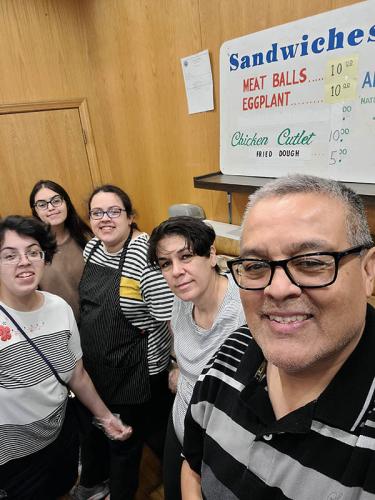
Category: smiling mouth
[25,275]
[288,319]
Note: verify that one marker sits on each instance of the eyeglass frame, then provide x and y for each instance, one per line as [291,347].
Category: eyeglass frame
[42,255]
[106,212]
[51,202]
[284,262]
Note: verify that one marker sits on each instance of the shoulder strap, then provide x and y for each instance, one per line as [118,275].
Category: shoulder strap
[94,247]
[123,253]
[125,249]
[20,329]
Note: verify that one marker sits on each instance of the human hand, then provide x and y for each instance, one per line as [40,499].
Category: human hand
[113,427]
[173,379]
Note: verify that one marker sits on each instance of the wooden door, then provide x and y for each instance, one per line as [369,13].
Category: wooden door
[44,144]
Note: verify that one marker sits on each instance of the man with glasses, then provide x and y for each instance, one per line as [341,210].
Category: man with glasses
[287,411]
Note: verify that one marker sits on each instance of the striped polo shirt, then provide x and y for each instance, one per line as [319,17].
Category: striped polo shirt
[145,297]
[324,450]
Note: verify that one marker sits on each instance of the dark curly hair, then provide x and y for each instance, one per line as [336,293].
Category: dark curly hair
[30,226]
[198,235]
[78,229]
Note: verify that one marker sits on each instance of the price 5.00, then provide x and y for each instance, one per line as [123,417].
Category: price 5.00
[336,156]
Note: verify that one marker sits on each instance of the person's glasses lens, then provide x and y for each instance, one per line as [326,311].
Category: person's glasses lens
[96,214]
[56,201]
[252,274]
[114,212]
[9,257]
[35,255]
[312,270]
[41,205]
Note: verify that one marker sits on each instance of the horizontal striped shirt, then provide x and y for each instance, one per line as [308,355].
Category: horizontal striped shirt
[324,450]
[32,400]
[145,297]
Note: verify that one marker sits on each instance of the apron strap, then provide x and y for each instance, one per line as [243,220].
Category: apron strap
[124,250]
[92,250]
[123,253]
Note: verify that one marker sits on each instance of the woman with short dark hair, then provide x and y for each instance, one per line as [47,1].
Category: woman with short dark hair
[40,354]
[206,310]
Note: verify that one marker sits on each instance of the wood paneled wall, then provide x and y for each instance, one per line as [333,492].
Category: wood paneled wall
[124,57]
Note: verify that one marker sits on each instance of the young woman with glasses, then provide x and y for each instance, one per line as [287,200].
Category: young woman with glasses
[51,204]
[125,306]
[40,353]
[206,310]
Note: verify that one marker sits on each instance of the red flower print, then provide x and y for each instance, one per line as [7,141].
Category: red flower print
[5,333]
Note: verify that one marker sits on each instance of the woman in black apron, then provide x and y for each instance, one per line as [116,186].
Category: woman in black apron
[125,305]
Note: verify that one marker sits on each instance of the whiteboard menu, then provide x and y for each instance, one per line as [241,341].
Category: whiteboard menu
[301,98]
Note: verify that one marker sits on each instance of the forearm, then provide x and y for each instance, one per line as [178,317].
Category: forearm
[190,483]
[82,386]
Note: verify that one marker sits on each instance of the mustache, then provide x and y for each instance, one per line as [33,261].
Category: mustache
[301,305]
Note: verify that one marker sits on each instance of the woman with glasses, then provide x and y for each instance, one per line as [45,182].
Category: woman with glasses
[51,204]
[40,353]
[206,310]
[125,306]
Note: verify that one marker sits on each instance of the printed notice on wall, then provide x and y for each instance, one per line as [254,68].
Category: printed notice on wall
[198,82]
[301,98]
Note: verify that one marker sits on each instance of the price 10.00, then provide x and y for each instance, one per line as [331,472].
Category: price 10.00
[338,134]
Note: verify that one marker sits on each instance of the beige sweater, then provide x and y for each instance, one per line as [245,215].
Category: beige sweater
[63,275]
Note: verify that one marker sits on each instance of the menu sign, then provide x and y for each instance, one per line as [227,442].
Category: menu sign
[301,98]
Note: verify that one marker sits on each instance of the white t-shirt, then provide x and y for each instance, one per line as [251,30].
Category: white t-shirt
[194,346]
[32,400]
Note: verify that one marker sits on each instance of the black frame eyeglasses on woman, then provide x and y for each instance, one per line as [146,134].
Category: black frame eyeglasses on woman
[311,270]
[112,213]
[55,201]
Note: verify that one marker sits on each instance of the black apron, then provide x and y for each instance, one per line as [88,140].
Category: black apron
[114,351]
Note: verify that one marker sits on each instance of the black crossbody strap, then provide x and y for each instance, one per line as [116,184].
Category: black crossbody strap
[33,345]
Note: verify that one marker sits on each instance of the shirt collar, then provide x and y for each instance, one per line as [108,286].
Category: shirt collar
[342,404]
[349,394]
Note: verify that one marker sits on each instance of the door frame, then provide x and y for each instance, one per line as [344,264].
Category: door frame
[81,105]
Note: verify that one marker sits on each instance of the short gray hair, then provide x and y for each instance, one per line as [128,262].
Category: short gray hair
[358,231]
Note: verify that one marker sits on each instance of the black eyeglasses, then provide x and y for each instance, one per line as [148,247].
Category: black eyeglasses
[312,270]
[55,201]
[113,213]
